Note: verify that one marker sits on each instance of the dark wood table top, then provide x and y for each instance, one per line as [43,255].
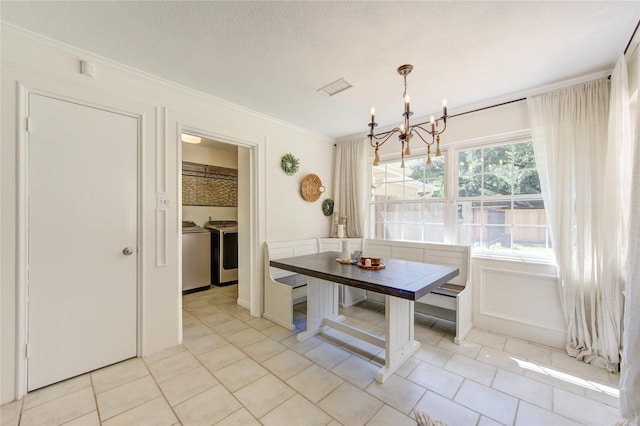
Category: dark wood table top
[400,278]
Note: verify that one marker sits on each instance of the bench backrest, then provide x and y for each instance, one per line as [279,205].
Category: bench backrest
[282,249]
[335,244]
[439,254]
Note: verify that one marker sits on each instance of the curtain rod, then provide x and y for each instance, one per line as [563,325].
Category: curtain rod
[524,99]
[487,107]
[631,38]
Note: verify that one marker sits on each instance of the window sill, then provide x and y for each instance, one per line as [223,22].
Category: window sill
[489,255]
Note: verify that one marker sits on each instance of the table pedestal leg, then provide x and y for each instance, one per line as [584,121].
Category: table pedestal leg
[322,302]
[399,341]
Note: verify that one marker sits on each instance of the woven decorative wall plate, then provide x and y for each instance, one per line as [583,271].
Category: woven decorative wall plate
[311,187]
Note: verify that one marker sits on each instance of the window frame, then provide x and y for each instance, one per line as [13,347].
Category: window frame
[404,201]
[452,198]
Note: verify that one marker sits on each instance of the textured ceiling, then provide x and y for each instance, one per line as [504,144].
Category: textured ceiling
[271,57]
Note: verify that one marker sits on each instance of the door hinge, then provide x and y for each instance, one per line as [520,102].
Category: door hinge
[27,351]
[28,124]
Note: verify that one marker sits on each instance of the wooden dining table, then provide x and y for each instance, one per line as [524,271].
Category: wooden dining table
[401,282]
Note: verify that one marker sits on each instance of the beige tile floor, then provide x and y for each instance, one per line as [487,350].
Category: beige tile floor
[234,369]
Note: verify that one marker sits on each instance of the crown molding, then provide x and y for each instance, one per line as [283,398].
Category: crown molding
[10,30]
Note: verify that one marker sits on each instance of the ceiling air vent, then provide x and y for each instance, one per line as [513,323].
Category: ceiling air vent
[335,87]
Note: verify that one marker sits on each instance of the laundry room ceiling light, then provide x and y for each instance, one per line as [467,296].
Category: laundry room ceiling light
[191,139]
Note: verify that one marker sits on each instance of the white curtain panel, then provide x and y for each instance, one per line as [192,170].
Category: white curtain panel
[570,133]
[630,369]
[349,183]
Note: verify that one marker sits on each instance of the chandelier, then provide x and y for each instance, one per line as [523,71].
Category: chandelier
[429,131]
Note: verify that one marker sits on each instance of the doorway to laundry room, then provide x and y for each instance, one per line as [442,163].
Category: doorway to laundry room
[209,205]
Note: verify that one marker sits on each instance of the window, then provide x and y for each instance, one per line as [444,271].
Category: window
[499,201]
[493,203]
[408,204]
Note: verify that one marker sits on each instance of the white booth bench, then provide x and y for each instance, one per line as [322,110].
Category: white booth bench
[451,301]
[283,289]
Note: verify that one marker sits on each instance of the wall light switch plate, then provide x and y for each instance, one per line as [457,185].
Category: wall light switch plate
[162,201]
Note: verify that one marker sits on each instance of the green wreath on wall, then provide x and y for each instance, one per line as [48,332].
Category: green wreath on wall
[289,164]
[327,207]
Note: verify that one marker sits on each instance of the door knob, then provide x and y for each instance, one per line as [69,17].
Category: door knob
[127,251]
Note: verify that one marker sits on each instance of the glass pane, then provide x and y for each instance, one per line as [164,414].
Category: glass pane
[378,179]
[392,213]
[496,184]
[412,232]
[529,212]
[376,213]
[496,237]
[412,213]
[526,181]
[532,239]
[523,156]
[469,213]
[434,213]
[423,180]
[395,177]
[470,162]
[469,186]
[386,182]
[434,178]
[392,231]
[414,179]
[469,235]
[498,160]
[496,215]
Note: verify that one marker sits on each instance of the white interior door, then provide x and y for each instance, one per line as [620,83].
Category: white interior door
[82,216]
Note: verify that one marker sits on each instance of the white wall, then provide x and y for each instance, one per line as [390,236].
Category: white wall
[285,204]
[277,210]
[213,157]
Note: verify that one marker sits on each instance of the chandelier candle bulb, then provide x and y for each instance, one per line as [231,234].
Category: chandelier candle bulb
[433,124]
[373,115]
[444,109]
